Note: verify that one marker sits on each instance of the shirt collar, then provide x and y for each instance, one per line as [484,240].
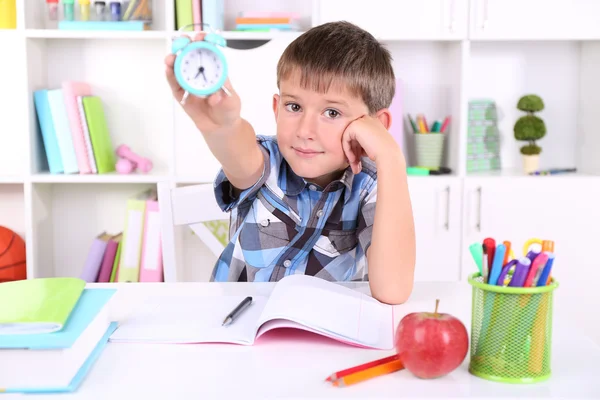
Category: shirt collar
[291,184]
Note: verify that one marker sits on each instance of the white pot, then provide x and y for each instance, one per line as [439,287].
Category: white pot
[531,163]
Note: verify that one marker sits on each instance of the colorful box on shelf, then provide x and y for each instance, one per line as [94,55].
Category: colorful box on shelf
[104,25]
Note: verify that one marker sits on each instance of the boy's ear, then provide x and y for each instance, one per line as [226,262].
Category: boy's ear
[385,117]
[275,105]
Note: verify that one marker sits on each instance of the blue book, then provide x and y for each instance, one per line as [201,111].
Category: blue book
[58,361]
[47,130]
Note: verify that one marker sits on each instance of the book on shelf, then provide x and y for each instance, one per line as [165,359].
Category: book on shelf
[74,130]
[197,15]
[57,360]
[133,255]
[298,302]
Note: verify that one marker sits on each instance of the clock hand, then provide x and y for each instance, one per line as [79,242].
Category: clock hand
[200,71]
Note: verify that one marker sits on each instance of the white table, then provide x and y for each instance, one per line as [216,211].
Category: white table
[294,365]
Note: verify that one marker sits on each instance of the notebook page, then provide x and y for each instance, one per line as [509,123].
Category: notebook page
[190,319]
[331,310]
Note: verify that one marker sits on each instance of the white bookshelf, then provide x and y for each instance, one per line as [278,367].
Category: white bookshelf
[463,50]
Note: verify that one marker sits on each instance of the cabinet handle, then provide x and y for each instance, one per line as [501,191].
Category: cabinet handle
[479,209]
[452,18]
[447,224]
[485,14]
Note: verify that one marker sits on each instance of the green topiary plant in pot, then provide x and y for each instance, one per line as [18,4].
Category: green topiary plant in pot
[530,128]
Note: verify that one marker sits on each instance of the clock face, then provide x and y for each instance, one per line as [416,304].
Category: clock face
[201,68]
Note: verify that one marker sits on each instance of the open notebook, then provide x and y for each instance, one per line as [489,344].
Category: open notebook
[297,301]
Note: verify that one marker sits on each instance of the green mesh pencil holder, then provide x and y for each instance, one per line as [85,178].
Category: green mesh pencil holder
[511,332]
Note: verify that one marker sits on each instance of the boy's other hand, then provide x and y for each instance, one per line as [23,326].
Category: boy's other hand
[215,113]
[367,136]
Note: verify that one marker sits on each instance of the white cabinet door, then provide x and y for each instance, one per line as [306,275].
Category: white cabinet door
[535,19]
[400,19]
[436,203]
[563,209]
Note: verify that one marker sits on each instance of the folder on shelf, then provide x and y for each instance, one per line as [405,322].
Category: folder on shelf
[94,258]
[213,14]
[86,135]
[129,263]
[104,154]
[59,361]
[108,260]
[48,133]
[151,264]
[71,90]
[184,13]
[63,131]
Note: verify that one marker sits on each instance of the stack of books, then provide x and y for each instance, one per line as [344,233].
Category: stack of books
[133,255]
[74,130]
[483,137]
[267,21]
[52,334]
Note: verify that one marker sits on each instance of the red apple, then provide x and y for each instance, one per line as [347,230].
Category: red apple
[431,345]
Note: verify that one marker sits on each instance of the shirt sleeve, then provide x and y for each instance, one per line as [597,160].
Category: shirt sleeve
[366,217]
[223,189]
[364,232]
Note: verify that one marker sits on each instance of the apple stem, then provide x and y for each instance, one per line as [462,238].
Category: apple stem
[437,303]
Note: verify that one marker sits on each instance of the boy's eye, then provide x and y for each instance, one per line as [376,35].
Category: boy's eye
[332,113]
[293,107]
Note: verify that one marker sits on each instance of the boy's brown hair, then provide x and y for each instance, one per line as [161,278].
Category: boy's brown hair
[341,52]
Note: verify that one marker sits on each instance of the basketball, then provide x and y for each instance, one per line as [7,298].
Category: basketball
[12,256]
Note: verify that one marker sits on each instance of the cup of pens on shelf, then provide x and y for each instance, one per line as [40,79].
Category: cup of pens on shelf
[101,14]
[429,140]
[511,325]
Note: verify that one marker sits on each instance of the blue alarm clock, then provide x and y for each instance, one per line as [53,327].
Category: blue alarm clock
[200,66]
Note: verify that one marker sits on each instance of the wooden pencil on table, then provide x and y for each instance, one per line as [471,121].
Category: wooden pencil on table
[373,372]
[361,367]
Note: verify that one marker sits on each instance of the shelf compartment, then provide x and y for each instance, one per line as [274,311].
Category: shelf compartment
[564,75]
[131,84]
[66,218]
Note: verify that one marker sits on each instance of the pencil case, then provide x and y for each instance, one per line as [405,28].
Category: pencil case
[511,331]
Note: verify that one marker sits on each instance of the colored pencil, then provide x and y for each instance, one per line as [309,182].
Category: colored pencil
[361,367]
[369,373]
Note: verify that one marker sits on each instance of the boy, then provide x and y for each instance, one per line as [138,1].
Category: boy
[304,201]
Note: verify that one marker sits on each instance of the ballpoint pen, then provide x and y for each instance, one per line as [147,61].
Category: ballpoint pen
[237,311]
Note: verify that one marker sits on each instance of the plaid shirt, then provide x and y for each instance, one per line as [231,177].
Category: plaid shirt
[284,225]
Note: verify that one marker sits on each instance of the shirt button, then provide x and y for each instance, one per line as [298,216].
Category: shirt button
[319,213]
[312,187]
[287,263]
[264,222]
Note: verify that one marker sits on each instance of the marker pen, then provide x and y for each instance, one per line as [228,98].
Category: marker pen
[115,10]
[52,8]
[100,7]
[68,10]
[84,7]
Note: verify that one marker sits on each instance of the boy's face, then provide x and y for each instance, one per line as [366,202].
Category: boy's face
[310,126]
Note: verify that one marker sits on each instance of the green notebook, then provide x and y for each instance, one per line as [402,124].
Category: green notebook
[34,306]
[104,153]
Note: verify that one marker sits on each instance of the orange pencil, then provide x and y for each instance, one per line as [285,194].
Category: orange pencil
[361,367]
[369,373]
